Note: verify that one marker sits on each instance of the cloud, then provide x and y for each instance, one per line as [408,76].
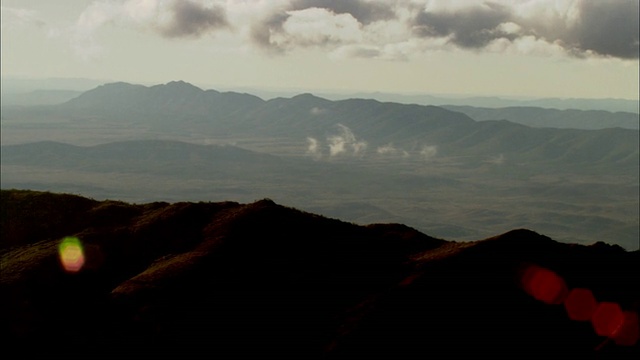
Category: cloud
[193,19]
[169,19]
[317,111]
[380,29]
[365,12]
[305,23]
[429,151]
[497,160]
[386,149]
[399,30]
[581,28]
[390,149]
[313,148]
[94,17]
[261,32]
[307,28]
[593,32]
[471,27]
[345,142]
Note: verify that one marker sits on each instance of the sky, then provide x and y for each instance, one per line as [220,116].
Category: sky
[527,48]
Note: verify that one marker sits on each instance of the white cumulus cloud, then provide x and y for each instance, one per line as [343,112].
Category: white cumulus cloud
[429,151]
[313,148]
[345,142]
[390,149]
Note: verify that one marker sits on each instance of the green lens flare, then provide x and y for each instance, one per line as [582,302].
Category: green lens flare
[71,254]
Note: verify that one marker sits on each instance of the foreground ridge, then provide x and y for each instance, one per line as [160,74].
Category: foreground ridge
[91,278]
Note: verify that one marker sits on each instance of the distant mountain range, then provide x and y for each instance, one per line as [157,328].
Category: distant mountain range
[357,159]
[612,105]
[16,91]
[179,106]
[530,113]
[180,97]
[539,117]
[105,279]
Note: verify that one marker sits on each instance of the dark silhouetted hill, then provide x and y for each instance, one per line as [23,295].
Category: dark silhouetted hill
[261,280]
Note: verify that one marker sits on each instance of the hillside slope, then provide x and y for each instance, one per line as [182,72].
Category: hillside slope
[572,196]
[260,280]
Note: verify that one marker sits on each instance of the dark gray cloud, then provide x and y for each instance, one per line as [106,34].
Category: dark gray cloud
[469,28]
[191,19]
[607,28]
[262,31]
[603,27]
[364,12]
[581,27]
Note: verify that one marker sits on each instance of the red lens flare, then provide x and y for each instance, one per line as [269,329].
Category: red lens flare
[628,334]
[607,319]
[544,285]
[580,304]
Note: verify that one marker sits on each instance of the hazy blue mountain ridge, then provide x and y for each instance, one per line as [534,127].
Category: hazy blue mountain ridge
[16,91]
[612,105]
[541,117]
[184,109]
[161,102]
[181,108]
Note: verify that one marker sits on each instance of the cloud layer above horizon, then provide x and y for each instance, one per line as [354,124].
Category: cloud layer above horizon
[392,30]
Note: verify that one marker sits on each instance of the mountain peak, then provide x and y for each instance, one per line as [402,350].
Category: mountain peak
[179,85]
[117,86]
[307,96]
[116,92]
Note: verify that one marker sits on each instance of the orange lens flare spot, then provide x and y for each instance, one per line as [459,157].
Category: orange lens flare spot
[629,333]
[607,319]
[580,304]
[71,254]
[544,285]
